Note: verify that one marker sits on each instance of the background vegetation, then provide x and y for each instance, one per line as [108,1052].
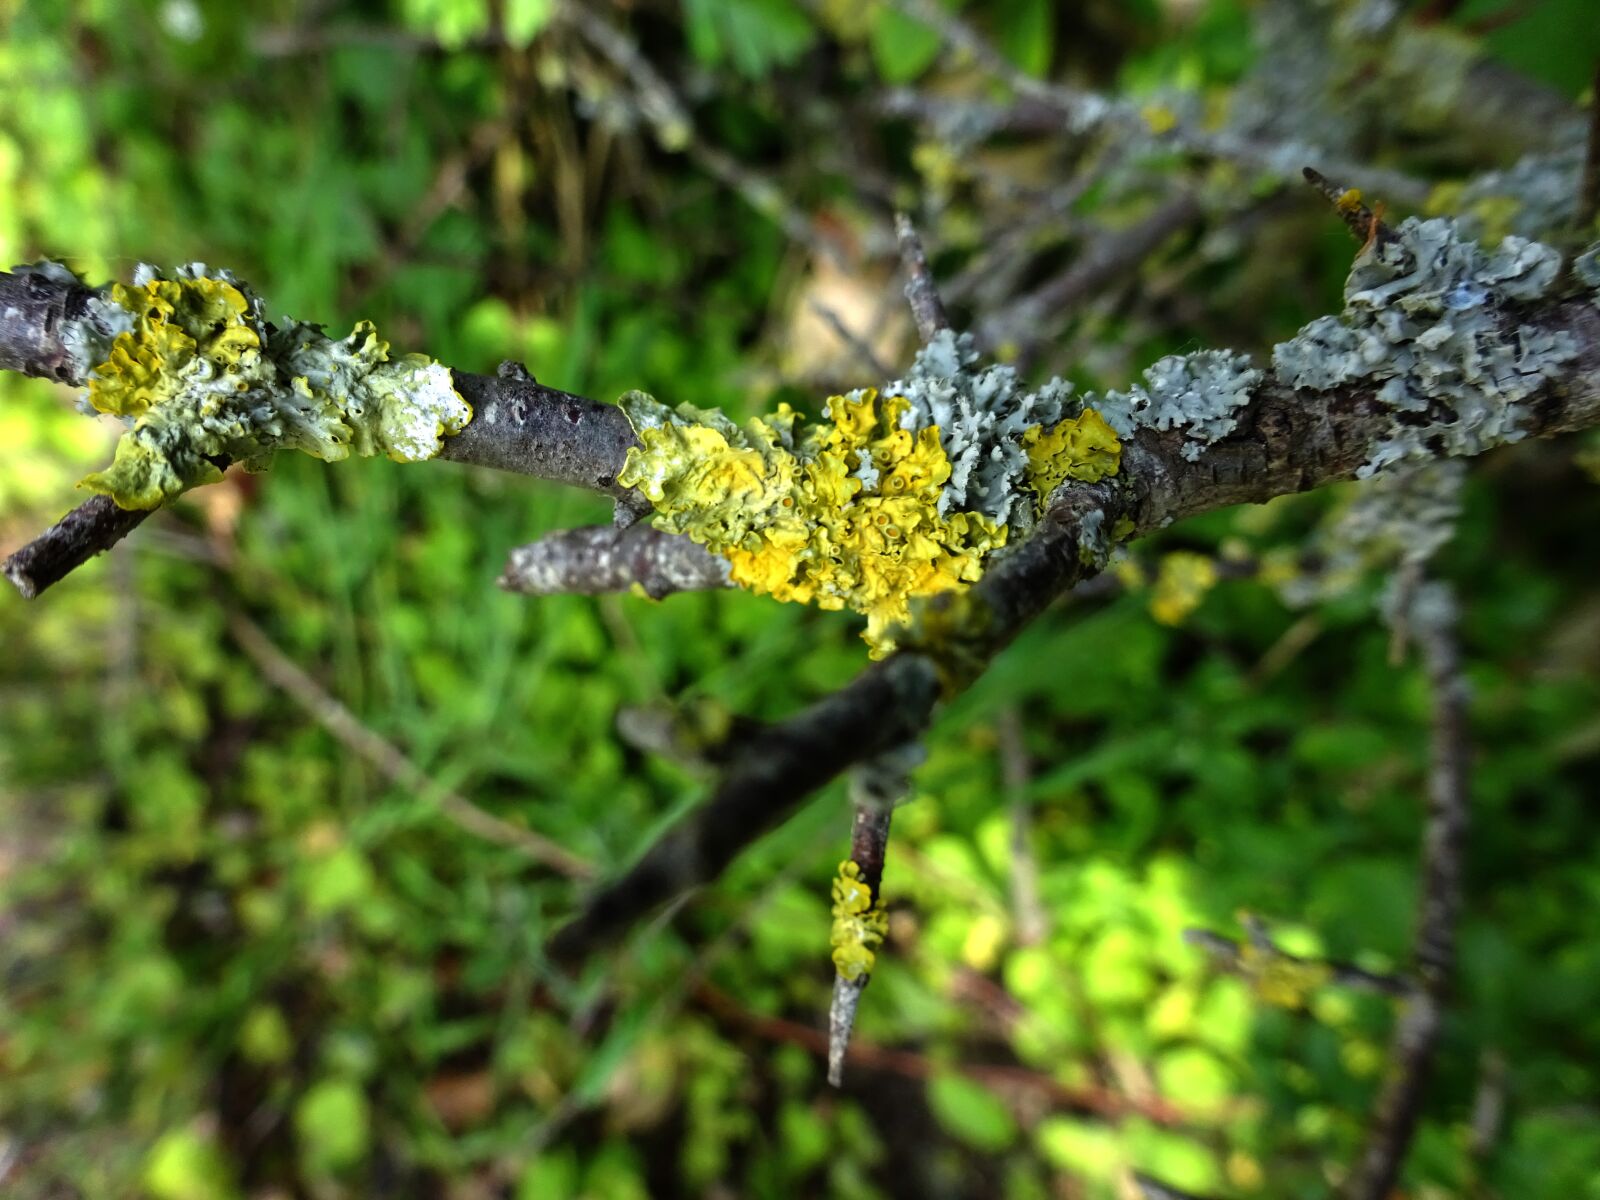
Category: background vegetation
[239,959]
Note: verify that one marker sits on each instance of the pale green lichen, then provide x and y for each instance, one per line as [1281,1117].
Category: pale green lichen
[889,499]
[1430,323]
[202,379]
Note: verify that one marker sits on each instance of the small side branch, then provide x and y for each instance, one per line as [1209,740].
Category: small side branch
[884,707]
[1106,260]
[1263,964]
[926,307]
[94,526]
[1352,210]
[604,558]
[1589,194]
[1399,1108]
[875,788]
[389,760]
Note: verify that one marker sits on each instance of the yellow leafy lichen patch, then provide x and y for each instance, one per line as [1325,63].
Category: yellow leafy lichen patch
[859,924]
[841,513]
[1084,448]
[174,321]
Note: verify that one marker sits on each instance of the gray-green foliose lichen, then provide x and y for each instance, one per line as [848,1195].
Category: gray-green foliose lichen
[1199,393]
[1429,320]
[982,415]
[200,377]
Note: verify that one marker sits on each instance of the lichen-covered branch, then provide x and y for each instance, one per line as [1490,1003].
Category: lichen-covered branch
[606,558]
[859,920]
[202,379]
[1442,349]
[1083,112]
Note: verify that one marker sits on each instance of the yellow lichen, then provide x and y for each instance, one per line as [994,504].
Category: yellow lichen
[1279,979]
[841,513]
[859,924]
[1181,584]
[1084,448]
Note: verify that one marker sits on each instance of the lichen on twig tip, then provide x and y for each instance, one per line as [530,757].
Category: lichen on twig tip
[202,379]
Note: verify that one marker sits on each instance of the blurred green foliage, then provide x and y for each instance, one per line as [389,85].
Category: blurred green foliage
[235,961]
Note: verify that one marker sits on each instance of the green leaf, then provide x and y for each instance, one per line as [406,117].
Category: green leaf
[971,1112]
[755,35]
[902,48]
[1025,32]
[525,18]
[331,1122]
[185,1164]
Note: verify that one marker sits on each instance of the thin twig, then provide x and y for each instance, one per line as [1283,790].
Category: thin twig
[857,344]
[1252,957]
[1399,1107]
[1151,1188]
[1589,194]
[1085,112]
[926,307]
[389,760]
[92,528]
[1016,772]
[1111,257]
[1351,207]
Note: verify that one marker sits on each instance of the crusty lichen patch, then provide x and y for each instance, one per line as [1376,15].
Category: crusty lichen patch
[893,496]
[202,379]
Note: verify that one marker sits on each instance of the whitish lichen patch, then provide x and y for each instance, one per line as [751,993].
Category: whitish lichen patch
[1430,321]
[201,378]
[891,497]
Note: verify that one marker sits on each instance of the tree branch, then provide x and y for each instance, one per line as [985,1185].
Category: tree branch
[518,425]
[926,307]
[1432,621]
